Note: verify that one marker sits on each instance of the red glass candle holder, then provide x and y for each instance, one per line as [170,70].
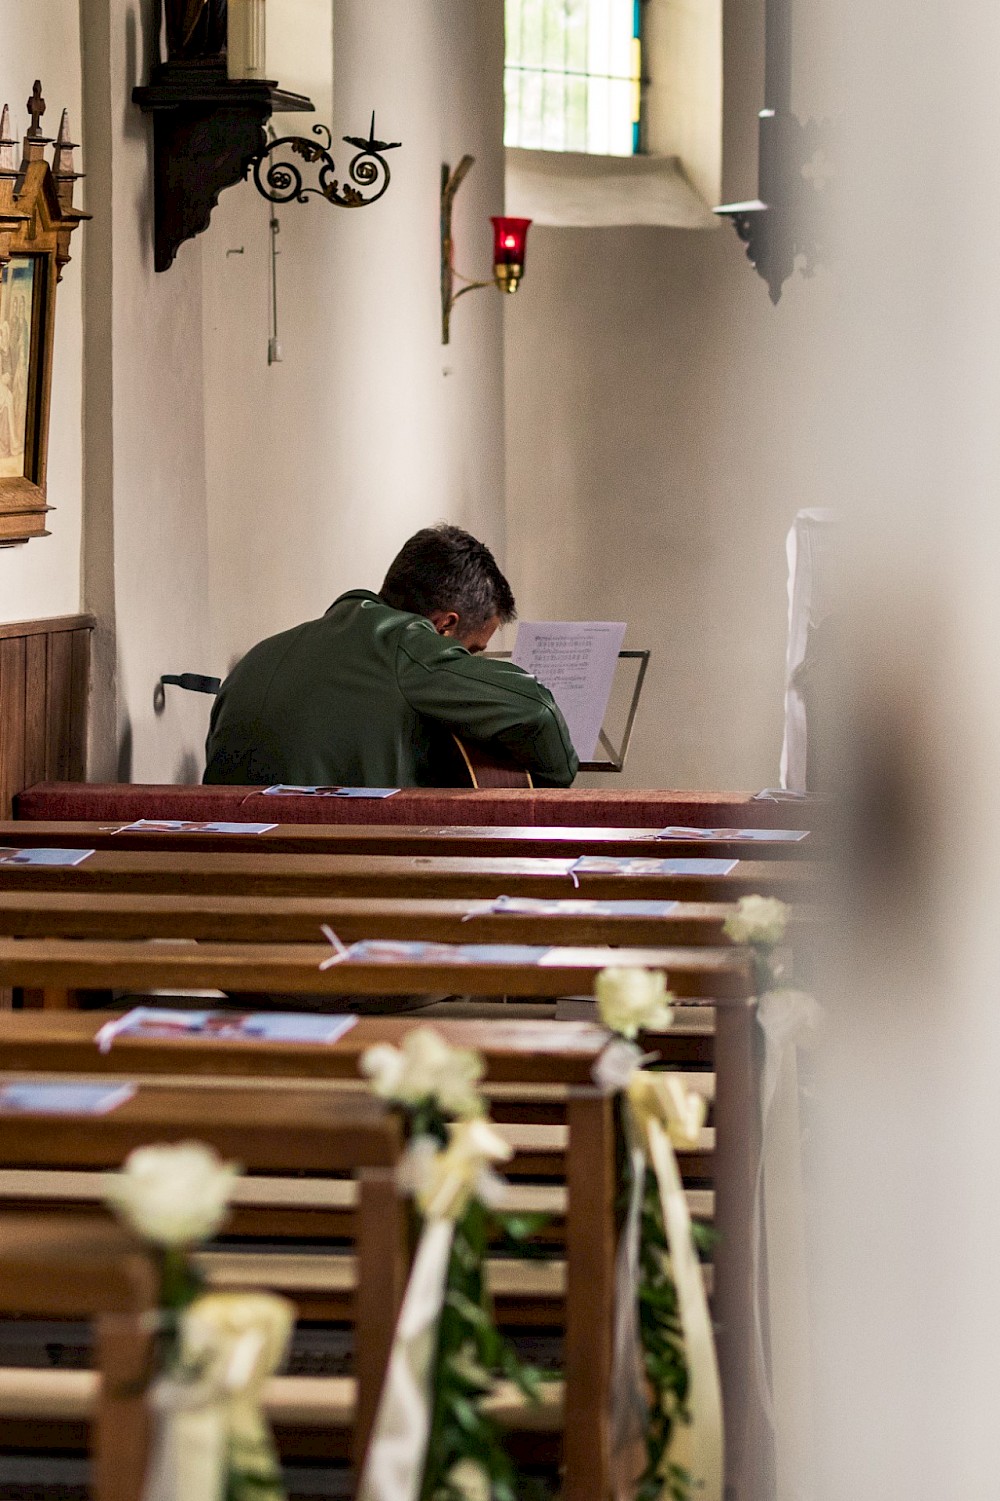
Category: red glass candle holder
[509,241]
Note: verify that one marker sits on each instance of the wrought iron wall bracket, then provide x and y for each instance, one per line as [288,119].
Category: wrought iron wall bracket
[207,130]
[280,180]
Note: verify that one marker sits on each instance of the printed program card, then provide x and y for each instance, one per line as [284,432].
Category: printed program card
[789,836]
[155,1022]
[63,1099]
[615,865]
[388,951]
[576,661]
[288,789]
[538,906]
[43,857]
[192,826]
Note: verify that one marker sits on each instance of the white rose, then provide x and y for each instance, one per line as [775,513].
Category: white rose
[633,1000]
[172,1195]
[426,1068]
[469,1479]
[759,920]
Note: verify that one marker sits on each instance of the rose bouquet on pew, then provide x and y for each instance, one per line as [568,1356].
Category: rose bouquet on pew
[216,1350]
[667,1404]
[434,1439]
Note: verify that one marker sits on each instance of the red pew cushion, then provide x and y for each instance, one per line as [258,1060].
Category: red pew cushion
[574,807]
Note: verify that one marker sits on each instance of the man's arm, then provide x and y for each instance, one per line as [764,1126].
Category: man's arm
[486,699]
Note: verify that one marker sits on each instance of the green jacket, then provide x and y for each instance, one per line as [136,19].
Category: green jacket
[368,696]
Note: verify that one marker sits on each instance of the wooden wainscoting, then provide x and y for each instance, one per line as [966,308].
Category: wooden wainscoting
[44,698]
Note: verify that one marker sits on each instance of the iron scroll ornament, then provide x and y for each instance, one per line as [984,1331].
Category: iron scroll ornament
[282,181]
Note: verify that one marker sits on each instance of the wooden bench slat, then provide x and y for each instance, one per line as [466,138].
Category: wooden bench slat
[250,919]
[478,842]
[397,876]
[296,968]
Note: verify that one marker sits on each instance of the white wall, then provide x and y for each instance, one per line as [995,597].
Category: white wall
[319,467]
[42,578]
[660,437]
[146,558]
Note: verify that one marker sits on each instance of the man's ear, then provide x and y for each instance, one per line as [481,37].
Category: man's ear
[445,622]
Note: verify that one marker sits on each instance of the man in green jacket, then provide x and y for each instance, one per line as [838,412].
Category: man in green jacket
[372,693]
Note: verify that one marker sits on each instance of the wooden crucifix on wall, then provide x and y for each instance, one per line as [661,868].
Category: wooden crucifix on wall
[37,218]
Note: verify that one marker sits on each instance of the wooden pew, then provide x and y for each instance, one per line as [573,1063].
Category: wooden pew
[254,874]
[518,1054]
[292,1128]
[403,839]
[285,1130]
[60,969]
[228,919]
[55,1267]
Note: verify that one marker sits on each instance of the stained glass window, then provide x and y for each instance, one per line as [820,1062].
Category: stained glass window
[573,75]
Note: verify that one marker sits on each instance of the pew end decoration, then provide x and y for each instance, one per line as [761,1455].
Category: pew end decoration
[37,220]
[216,1350]
[789,1022]
[666,1419]
[433,1438]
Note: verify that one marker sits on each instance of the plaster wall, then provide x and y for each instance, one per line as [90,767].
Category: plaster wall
[42,578]
[318,467]
[661,434]
[146,563]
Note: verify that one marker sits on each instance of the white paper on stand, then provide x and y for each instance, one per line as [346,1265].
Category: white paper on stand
[576,661]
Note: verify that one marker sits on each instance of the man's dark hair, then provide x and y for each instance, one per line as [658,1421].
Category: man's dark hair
[443,568]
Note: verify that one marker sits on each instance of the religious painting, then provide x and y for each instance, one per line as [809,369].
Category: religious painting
[18,362]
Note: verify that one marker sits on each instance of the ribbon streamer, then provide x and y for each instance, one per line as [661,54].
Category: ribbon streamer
[655,1106]
[212,1441]
[699,1444]
[340,950]
[629,1405]
[394,1466]
[789,1020]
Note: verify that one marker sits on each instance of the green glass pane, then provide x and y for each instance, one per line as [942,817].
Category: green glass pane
[512,30]
[531,111]
[512,107]
[576,114]
[532,31]
[576,35]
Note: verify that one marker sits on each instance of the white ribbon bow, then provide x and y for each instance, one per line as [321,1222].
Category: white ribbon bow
[661,1114]
[443,1181]
[212,1440]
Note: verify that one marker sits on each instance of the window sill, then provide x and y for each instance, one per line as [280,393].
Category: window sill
[567,189]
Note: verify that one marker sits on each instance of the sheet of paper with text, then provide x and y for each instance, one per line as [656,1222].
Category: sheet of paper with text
[576,661]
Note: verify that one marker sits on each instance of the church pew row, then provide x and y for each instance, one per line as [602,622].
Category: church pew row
[230,919]
[373,839]
[62,969]
[540,807]
[90,1270]
[513,1054]
[252,874]
[285,1131]
[290,1130]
